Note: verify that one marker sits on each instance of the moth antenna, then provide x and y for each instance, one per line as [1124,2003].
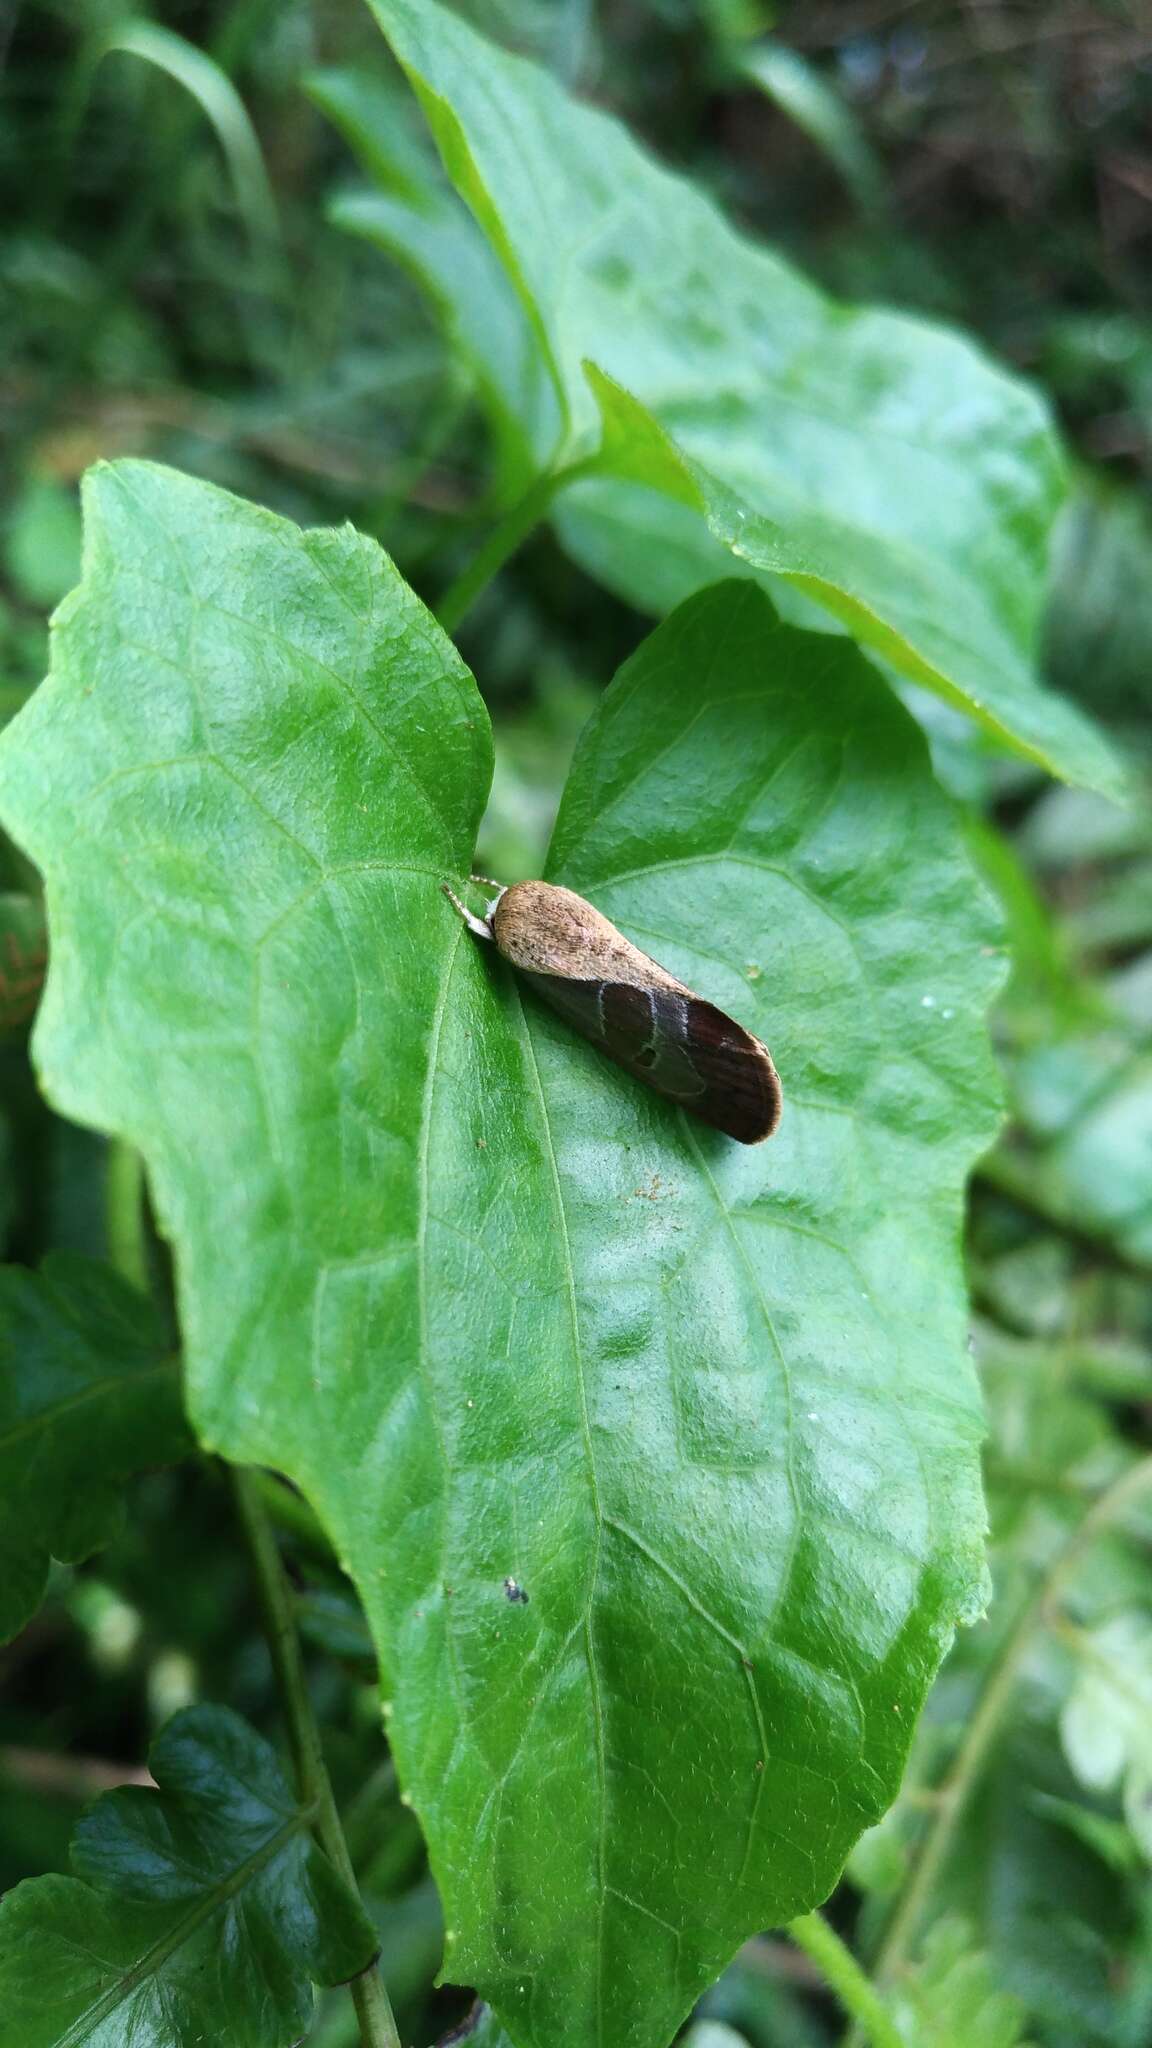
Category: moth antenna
[491,881]
[479,925]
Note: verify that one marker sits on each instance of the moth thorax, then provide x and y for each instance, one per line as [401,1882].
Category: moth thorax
[544,929]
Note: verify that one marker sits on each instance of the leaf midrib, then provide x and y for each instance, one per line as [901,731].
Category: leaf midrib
[46,1417]
[598,1515]
[149,1963]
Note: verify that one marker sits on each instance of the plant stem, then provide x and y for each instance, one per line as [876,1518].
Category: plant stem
[314,1788]
[956,1788]
[842,1972]
[124,1214]
[502,543]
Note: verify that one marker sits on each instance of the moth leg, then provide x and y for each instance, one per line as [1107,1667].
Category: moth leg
[479,925]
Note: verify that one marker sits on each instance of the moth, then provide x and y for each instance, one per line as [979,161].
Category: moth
[631,1008]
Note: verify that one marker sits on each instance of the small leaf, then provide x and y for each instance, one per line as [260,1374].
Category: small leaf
[212,89]
[500,1313]
[371,112]
[880,463]
[808,99]
[89,1394]
[439,243]
[201,1911]
[1088,1099]
[42,541]
[951,2000]
[1106,1723]
[419,220]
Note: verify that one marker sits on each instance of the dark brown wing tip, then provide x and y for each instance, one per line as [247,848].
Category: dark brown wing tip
[742,1096]
[755,1122]
[773,1104]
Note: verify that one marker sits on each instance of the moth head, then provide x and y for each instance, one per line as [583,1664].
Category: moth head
[483,927]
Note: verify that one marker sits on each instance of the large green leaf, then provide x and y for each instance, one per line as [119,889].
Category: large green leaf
[882,463]
[498,1310]
[89,1393]
[199,1911]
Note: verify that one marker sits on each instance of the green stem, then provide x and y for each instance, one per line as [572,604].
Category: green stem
[956,1788]
[124,1214]
[502,543]
[314,1788]
[842,1972]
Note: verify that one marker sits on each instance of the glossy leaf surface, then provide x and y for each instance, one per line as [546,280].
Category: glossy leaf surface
[884,464]
[500,1312]
[89,1393]
[199,1911]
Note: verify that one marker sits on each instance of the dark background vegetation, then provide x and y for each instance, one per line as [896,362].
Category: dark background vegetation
[158,298]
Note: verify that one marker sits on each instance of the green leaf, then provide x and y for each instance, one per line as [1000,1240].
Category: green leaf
[199,1911]
[89,1394]
[880,463]
[497,1310]
[216,96]
[951,2000]
[438,243]
[1050,1913]
[812,102]
[1099,622]
[1106,1724]
[42,541]
[372,113]
[1088,1099]
[418,219]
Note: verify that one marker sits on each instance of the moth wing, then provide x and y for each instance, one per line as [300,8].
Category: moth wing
[680,1045]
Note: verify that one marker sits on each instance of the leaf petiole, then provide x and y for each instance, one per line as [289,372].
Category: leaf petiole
[502,543]
[838,1966]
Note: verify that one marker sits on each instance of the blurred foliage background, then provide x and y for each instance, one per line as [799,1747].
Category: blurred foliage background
[170,286]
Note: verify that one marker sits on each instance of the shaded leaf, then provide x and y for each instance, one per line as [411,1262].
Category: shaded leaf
[499,1312]
[1106,1724]
[812,102]
[951,1999]
[23,957]
[1088,1100]
[210,87]
[42,541]
[882,464]
[1049,1912]
[89,1394]
[201,1911]
[1099,622]
[417,218]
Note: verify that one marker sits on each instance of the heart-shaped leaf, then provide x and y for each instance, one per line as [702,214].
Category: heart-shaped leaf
[880,463]
[202,1911]
[89,1393]
[501,1312]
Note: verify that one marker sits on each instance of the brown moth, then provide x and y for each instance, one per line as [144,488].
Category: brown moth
[631,1008]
